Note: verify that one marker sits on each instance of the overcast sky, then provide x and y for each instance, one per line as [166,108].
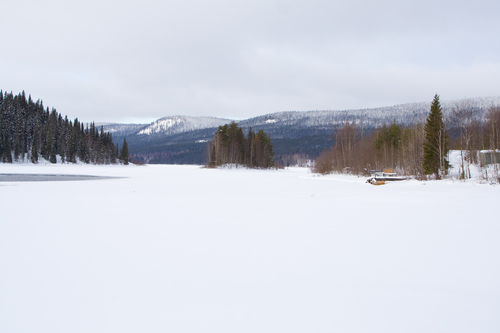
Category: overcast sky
[137,61]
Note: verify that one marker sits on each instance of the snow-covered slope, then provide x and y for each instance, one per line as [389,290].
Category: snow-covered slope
[121,130]
[407,114]
[178,124]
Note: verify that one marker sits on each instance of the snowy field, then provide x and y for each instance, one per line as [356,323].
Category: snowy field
[185,249]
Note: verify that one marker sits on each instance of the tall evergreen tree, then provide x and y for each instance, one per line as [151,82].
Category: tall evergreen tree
[124,152]
[250,148]
[436,142]
[34,150]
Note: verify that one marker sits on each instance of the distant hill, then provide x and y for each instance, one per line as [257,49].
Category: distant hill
[294,134]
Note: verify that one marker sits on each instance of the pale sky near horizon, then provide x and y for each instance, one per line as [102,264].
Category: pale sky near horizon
[137,61]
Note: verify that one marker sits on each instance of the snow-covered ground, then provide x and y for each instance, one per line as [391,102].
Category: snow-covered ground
[186,249]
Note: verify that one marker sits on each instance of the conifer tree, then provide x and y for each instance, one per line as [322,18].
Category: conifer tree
[34,150]
[7,156]
[250,148]
[124,152]
[436,142]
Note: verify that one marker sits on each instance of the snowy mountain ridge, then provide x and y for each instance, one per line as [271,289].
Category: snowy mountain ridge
[178,124]
[406,114]
[182,139]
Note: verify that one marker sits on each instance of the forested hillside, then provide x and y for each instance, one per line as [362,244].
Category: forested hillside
[298,136]
[28,131]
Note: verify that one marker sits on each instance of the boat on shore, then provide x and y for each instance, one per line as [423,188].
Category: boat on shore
[380,177]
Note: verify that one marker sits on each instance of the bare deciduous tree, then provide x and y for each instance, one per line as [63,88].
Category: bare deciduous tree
[466,118]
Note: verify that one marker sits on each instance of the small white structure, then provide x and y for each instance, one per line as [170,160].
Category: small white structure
[489,157]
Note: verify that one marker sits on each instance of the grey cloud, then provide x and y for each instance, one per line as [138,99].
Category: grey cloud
[122,60]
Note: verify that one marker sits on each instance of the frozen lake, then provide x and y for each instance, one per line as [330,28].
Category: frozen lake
[186,249]
[16,177]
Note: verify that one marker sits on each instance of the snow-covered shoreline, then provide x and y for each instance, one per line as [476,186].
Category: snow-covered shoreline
[479,175]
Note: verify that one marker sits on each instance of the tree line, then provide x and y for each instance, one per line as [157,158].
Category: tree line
[417,150]
[230,146]
[28,131]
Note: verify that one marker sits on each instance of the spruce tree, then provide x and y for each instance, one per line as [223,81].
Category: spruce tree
[8,151]
[250,148]
[34,150]
[436,142]
[124,152]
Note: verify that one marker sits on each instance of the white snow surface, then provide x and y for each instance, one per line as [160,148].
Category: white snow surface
[186,249]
